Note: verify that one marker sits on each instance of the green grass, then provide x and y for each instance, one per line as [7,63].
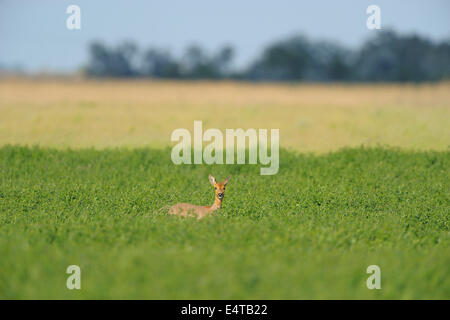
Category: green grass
[308,232]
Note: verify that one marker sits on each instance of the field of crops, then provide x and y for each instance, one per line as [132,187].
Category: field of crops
[309,231]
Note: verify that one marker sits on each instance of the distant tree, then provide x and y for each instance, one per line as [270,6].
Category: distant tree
[387,56]
[438,61]
[197,64]
[107,62]
[328,62]
[223,59]
[98,59]
[159,64]
[333,62]
[297,58]
[391,57]
[284,60]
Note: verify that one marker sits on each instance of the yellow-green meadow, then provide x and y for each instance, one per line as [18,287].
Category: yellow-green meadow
[311,118]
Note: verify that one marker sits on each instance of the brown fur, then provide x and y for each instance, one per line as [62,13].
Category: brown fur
[190,210]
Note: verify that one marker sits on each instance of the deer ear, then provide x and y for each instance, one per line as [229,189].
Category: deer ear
[226,180]
[212,180]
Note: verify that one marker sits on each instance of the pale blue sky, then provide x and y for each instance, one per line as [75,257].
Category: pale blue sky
[33,33]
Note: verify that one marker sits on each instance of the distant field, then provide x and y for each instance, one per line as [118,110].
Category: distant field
[308,232]
[316,118]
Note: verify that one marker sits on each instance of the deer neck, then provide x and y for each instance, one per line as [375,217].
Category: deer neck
[216,205]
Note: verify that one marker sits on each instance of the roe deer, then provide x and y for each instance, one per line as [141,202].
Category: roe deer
[187,209]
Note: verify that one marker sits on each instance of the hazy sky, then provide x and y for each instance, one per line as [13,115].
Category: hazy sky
[33,33]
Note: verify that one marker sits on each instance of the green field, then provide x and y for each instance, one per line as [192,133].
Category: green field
[308,232]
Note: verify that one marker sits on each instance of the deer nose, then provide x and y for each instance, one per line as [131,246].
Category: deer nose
[220,195]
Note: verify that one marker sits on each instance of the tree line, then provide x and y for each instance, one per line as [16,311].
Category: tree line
[387,56]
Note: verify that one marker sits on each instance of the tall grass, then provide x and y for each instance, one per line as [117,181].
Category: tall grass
[308,232]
